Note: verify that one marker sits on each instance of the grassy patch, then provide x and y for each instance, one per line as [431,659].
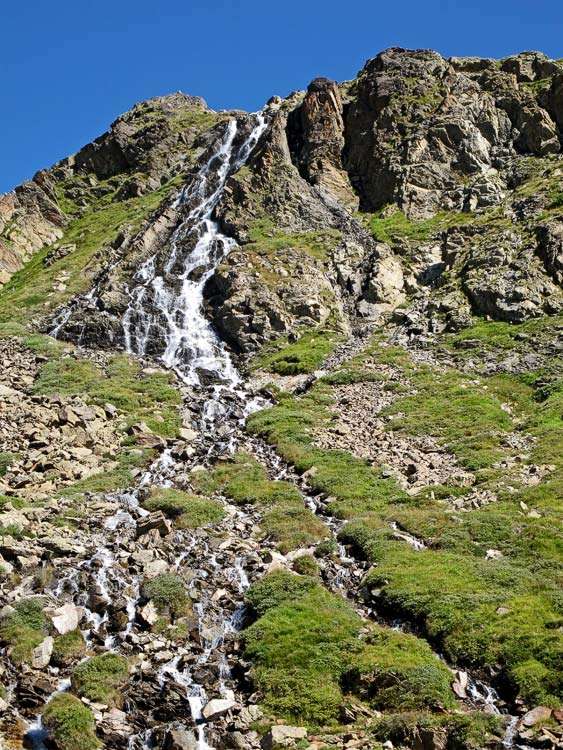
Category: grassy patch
[285,521]
[266,239]
[306,646]
[150,398]
[393,227]
[101,678]
[498,336]
[480,612]
[24,629]
[303,356]
[6,459]
[68,648]
[464,414]
[71,723]
[290,426]
[187,511]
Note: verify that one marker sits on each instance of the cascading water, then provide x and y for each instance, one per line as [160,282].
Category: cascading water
[174,295]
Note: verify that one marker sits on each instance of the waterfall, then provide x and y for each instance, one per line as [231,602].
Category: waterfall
[172,299]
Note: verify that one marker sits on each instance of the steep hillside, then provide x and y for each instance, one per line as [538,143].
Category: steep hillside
[281,442]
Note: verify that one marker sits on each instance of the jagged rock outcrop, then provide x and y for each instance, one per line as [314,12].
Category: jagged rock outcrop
[414,133]
[316,133]
[429,134]
[29,219]
[143,149]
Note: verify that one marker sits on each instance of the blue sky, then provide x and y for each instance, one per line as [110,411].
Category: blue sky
[71,66]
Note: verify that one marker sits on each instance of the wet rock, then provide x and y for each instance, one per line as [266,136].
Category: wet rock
[41,655]
[217,707]
[283,736]
[536,715]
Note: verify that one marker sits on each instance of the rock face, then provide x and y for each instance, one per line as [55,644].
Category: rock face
[428,133]
[316,131]
[453,146]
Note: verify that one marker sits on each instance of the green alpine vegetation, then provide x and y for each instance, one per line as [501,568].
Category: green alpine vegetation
[71,723]
[285,519]
[312,655]
[34,290]
[140,397]
[24,629]
[481,612]
[68,648]
[101,678]
[187,511]
[168,592]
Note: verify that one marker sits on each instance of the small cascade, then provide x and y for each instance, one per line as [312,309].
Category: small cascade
[416,544]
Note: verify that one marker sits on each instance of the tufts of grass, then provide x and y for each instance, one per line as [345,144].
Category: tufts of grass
[187,511]
[6,459]
[70,723]
[101,678]
[306,565]
[286,521]
[393,227]
[24,629]
[277,588]
[267,239]
[303,356]
[395,672]
[68,648]
[479,611]
[464,414]
[169,595]
[151,398]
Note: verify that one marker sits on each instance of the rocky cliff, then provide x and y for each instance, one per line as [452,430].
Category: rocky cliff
[281,420]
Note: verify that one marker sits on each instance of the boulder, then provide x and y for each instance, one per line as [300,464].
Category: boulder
[41,655]
[283,736]
[66,618]
[536,716]
[178,738]
[217,707]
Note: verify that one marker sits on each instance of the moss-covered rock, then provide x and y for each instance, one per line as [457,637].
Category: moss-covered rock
[168,592]
[101,678]
[70,723]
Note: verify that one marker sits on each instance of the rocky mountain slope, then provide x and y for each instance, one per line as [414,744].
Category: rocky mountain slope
[280,459]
